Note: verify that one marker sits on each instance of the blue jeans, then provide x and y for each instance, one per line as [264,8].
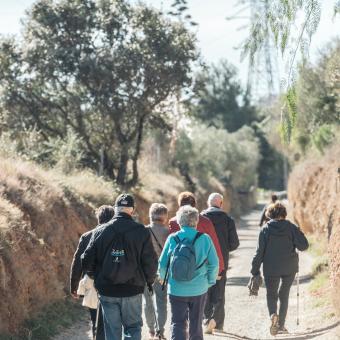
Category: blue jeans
[122,313]
[161,305]
[184,309]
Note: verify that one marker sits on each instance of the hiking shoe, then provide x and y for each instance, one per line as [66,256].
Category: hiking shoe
[220,330]
[210,327]
[282,330]
[160,336]
[152,335]
[274,327]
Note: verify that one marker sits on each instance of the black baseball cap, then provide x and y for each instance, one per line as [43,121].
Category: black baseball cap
[125,200]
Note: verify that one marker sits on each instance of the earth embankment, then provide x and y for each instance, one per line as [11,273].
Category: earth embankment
[314,194]
[42,215]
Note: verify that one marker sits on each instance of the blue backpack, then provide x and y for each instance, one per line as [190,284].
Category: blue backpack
[182,262]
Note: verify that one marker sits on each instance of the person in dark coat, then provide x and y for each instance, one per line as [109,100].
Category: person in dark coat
[228,239]
[122,260]
[264,218]
[276,250]
[104,214]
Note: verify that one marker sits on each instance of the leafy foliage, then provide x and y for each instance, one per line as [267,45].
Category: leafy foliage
[270,167]
[100,68]
[275,19]
[210,152]
[317,102]
[220,100]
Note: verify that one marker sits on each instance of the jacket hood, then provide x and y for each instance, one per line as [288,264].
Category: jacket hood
[216,213]
[278,227]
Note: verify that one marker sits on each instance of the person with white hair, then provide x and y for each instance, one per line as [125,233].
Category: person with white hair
[189,266]
[214,312]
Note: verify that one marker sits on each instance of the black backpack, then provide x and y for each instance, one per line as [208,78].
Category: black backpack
[120,263]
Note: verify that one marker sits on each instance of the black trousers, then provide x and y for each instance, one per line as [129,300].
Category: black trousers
[100,329]
[278,288]
[214,307]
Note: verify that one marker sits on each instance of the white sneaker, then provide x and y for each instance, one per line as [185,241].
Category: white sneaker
[210,327]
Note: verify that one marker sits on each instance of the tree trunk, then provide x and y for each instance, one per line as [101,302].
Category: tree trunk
[135,175]
[108,166]
[123,164]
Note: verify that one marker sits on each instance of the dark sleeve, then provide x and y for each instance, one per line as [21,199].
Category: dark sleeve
[149,260]
[258,257]
[299,238]
[232,235]
[263,217]
[76,268]
[89,257]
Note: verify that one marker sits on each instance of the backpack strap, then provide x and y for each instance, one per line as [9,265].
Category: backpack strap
[158,243]
[177,239]
[197,236]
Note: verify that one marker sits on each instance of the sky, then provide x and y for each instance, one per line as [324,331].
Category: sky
[217,37]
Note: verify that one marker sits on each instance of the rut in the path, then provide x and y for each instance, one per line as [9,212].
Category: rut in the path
[247,318]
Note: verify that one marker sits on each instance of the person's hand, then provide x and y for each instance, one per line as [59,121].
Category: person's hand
[150,288]
[219,277]
[161,281]
[75,295]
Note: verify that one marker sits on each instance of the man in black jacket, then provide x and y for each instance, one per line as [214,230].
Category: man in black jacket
[104,214]
[122,260]
[228,238]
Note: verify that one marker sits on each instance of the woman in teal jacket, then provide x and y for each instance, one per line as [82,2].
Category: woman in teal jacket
[187,297]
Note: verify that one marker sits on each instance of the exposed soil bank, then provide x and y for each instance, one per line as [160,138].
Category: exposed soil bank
[42,215]
[314,194]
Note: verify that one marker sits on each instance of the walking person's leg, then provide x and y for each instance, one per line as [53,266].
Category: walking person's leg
[179,317]
[100,334]
[219,310]
[161,303]
[272,286]
[111,308]
[93,315]
[149,312]
[132,308]
[209,310]
[284,290]
[196,310]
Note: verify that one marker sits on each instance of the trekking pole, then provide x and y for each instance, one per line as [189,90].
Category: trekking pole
[97,318]
[298,298]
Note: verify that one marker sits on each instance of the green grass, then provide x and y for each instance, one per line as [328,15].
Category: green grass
[49,321]
[319,282]
[319,287]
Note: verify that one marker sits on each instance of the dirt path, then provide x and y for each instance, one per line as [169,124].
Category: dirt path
[247,318]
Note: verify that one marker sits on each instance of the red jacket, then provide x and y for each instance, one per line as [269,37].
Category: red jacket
[204,226]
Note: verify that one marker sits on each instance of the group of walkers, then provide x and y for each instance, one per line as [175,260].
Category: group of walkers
[183,260]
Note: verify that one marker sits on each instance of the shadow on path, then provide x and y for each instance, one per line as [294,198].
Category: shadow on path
[243,280]
[300,336]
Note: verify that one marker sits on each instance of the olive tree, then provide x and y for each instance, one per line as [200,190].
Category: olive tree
[100,68]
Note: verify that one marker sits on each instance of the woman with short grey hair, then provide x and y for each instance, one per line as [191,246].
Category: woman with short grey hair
[189,266]
[187,216]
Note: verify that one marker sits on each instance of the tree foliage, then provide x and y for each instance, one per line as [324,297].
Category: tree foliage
[102,69]
[207,152]
[220,99]
[317,101]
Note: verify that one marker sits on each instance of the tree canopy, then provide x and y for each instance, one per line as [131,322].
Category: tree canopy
[102,69]
[220,99]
